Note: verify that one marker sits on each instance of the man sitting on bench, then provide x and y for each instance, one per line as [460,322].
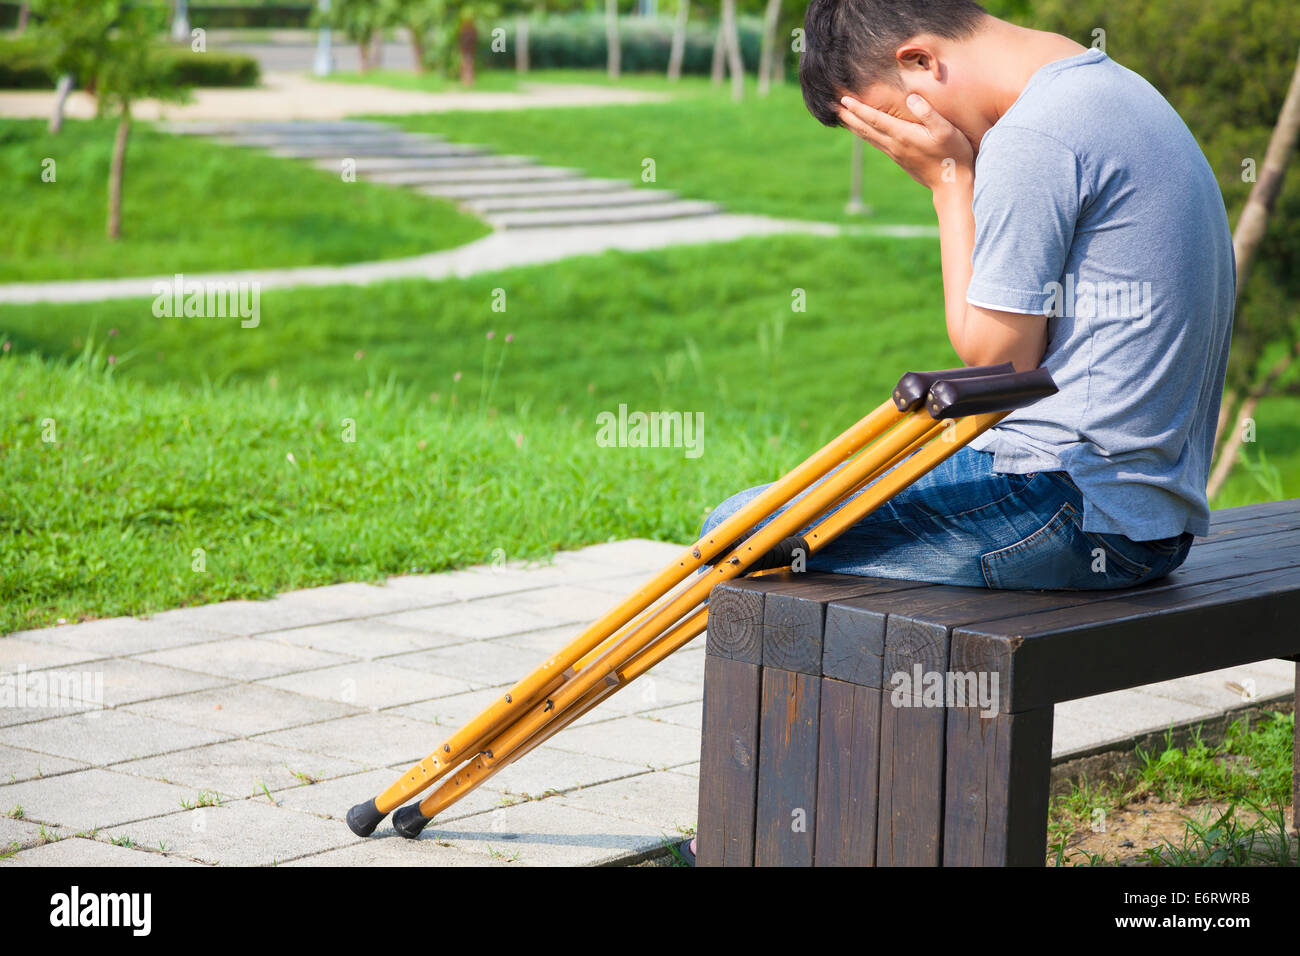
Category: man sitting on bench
[1081,229]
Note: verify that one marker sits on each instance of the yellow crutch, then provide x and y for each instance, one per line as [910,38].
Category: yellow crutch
[619,647]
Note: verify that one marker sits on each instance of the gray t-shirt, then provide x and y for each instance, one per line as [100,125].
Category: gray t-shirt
[1095,207]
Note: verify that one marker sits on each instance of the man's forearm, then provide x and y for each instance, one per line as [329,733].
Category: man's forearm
[952,204]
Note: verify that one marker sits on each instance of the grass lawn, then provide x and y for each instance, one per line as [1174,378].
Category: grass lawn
[760,155]
[192,205]
[182,442]
[146,497]
[1221,804]
[701,328]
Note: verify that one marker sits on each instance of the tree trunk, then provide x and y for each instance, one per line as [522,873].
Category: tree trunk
[521,44]
[417,49]
[60,100]
[778,61]
[1253,223]
[24,9]
[615,62]
[1232,445]
[771,16]
[115,173]
[363,52]
[734,62]
[468,40]
[678,49]
[1246,240]
[718,68]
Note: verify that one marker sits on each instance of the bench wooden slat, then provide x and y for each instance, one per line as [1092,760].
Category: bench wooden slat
[728,763]
[1055,656]
[785,829]
[847,775]
[998,779]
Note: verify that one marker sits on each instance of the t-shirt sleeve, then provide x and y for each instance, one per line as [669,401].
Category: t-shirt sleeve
[1027,200]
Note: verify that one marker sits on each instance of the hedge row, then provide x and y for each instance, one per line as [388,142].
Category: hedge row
[25,65]
[578,42]
[213,16]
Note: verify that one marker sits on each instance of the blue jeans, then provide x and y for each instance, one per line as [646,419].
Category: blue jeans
[963,524]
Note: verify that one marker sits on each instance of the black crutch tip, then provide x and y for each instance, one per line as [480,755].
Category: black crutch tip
[408,821]
[363,818]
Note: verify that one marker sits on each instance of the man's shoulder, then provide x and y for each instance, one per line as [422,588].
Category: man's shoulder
[1088,103]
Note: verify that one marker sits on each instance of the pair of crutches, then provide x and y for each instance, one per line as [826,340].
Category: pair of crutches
[931,416]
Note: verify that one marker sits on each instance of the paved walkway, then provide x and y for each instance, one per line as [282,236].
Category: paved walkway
[500,250]
[290,96]
[540,213]
[240,733]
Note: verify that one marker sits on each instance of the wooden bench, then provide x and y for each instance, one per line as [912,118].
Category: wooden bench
[809,757]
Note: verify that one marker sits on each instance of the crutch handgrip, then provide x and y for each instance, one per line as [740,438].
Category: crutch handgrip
[911,391]
[783,555]
[982,395]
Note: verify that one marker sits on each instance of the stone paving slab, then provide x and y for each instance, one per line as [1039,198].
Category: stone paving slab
[19,834]
[665,801]
[372,740]
[544,833]
[92,799]
[17,765]
[102,737]
[333,798]
[230,712]
[449,714]
[243,658]
[352,600]
[238,768]
[18,655]
[547,769]
[479,620]
[374,684]
[79,852]
[392,850]
[243,833]
[683,715]
[240,710]
[480,663]
[364,638]
[117,636]
[242,618]
[1125,713]
[129,681]
[658,745]
[32,713]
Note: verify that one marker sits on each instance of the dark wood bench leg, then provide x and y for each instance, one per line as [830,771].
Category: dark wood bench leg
[785,829]
[998,776]
[728,763]
[847,774]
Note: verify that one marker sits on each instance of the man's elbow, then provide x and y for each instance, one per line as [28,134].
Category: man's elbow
[1024,360]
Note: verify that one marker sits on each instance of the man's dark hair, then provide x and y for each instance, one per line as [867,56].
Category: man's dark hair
[850,44]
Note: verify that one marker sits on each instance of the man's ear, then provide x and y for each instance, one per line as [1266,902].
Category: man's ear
[919,55]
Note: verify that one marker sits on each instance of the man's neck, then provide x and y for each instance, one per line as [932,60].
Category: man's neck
[1009,56]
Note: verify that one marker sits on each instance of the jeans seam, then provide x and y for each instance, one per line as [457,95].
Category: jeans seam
[1134,567]
[1024,544]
